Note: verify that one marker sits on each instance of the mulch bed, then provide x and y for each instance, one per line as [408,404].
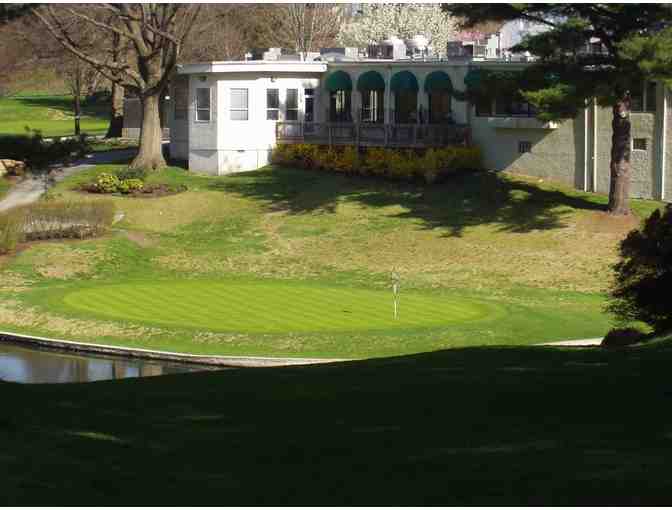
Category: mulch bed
[148,191]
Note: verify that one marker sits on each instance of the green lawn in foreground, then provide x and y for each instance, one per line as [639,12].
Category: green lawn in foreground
[480,426]
[232,249]
[52,115]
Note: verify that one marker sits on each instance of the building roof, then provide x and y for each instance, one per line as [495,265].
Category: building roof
[251,66]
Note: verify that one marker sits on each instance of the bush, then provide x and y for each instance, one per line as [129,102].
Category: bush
[38,154]
[622,337]
[107,183]
[643,276]
[132,173]
[130,185]
[402,164]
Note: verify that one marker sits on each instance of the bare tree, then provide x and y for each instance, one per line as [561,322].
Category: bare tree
[306,27]
[155,34]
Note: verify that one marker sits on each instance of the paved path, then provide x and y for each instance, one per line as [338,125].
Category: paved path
[30,189]
[587,342]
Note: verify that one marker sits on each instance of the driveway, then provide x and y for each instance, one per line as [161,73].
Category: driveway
[30,189]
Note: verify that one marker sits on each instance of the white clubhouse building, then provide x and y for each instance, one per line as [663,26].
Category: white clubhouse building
[227,116]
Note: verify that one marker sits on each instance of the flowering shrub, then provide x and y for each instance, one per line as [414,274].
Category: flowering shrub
[404,164]
[130,185]
[107,183]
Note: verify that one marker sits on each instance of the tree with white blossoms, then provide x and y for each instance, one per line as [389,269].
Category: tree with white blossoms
[377,22]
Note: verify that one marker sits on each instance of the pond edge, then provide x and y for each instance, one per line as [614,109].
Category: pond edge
[198,359]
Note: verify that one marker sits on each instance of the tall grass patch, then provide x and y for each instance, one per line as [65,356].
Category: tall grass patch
[54,220]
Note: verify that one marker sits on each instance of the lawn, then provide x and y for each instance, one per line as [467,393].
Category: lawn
[52,115]
[295,263]
[480,426]
[4,186]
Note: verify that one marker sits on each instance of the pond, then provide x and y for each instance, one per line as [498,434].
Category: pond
[32,365]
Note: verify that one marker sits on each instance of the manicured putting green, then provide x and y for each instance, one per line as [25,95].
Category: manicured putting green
[270,307]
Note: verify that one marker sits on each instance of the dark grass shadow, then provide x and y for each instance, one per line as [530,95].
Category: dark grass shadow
[472,426]
[462,201]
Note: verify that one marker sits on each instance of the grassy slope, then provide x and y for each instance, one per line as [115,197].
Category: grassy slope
[480,426]
[4,186]
[53,115]
[537,253]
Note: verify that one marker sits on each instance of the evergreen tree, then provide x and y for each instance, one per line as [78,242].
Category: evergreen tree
[591,51]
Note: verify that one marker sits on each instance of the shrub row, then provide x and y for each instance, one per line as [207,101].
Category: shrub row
[37,153]
[429,165]
[54,220]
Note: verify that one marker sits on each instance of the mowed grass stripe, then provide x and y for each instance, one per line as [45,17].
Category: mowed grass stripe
[270,307]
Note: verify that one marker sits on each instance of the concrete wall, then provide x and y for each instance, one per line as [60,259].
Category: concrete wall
[666,178]
[557,150]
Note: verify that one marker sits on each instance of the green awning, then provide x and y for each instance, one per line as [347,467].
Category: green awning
[339,80]
[370,80]
[404,81]
[438,81]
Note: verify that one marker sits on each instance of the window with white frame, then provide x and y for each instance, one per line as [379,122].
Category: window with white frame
[639,144]
[203,104]
[239,104]
[272,104]
[292,104]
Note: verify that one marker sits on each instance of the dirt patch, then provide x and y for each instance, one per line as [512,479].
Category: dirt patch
[139,238]
[13,313]
[63,261]
[601,222]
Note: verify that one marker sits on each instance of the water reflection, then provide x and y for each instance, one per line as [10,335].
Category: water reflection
[27,365]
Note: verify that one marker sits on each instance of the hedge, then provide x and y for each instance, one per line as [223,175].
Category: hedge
[429,165]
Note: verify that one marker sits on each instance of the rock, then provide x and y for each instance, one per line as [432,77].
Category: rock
[12,167]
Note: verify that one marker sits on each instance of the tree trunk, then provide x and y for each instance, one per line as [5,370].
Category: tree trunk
[620,159]
[117,112]
[78,94]
[150,155]
[78,114]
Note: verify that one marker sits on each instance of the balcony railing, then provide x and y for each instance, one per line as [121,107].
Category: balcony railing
[373,135]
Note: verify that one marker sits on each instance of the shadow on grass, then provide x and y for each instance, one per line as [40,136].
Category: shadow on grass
[462,201]
[477,426]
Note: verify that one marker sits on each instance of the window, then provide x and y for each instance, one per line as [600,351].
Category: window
[203,105]
[339,106]
[181,95]
[309,97]
[484,107]
[440,108]
[272,104]
[524,146]
[239,104]
[639,144]
[292,105]
[372,106]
